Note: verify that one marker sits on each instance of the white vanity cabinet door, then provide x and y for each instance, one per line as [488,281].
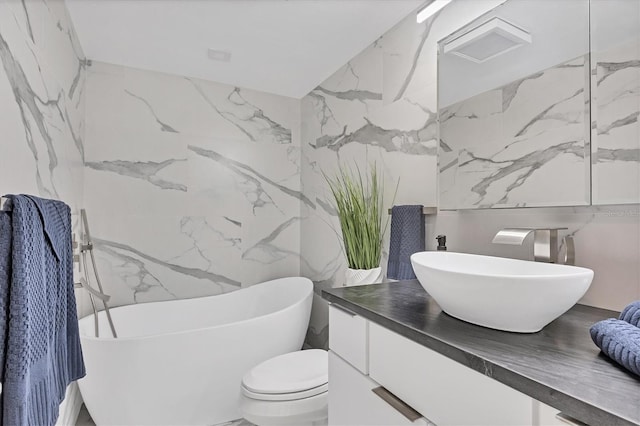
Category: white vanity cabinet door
[444,391]
[349,337]
[352,402]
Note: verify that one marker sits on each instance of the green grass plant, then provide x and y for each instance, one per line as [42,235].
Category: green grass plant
[359,203]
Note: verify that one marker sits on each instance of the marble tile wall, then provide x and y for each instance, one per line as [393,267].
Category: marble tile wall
[615,131]
[498,148]
[192,188]
[381,106]
[42,80]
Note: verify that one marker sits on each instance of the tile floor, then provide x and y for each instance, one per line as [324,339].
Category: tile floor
[84,418]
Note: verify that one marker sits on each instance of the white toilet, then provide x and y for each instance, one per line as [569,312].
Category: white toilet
[290,389]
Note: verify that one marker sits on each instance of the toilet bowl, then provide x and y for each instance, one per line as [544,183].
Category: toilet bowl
[290,389]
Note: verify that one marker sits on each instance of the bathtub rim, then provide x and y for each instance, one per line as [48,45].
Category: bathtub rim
[110,338]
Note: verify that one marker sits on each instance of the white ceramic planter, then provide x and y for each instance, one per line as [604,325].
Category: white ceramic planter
[362,276]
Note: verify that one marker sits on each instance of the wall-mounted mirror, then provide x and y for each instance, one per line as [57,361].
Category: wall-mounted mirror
[615,90]
[515,97]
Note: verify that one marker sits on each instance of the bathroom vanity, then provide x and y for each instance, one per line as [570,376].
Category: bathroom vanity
[393,339]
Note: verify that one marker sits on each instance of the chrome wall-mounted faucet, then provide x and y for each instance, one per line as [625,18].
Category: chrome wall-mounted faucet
[545,243]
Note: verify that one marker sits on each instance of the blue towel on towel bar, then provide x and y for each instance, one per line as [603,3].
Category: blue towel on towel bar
[631,313]
[407,237]
[43,353]
[620,341]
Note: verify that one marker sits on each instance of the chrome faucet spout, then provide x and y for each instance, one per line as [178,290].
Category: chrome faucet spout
[545,241]
[512,236]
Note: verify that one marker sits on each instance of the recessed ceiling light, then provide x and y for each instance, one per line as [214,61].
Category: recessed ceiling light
[219,55]
[431,9]
[491,39]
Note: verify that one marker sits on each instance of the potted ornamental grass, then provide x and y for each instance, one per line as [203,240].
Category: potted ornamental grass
[358,200]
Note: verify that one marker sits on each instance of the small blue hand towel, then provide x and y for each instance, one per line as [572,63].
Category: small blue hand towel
[631,314]
[407,237]
[620,341]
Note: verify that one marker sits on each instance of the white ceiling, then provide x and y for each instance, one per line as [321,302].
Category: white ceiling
[286,47]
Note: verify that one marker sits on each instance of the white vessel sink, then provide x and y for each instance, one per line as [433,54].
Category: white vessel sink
[495,292]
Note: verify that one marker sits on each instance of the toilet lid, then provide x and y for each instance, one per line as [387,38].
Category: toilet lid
[289,373]
[292,396]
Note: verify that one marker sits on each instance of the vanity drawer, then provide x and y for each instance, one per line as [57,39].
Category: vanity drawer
[349,337]
[353,402]
[462,396]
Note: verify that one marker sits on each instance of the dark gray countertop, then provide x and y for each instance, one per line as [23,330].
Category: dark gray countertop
[559,365]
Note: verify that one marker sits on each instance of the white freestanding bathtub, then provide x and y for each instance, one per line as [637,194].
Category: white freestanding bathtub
[181,362]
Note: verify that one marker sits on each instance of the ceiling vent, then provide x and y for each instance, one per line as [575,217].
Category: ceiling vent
[485,42]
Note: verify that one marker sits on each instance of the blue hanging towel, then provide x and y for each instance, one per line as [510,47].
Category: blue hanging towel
[407,238]
[43,353]
[5,278]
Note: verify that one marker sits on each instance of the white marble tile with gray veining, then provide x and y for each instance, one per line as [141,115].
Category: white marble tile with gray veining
[164,127]
[206,184]
[148,171]
[42,79]
[403,51]
[257,187]
[215,245]
[148,278]
[250,119]
[267,250]
[270,245]
[504,144]
[348,109]
[616,133]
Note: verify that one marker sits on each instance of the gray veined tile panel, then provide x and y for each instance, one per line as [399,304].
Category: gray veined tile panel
[147,170]
[559,365]
[42,85]
[207,182]
[163,126]
[247,117]
[501,146]
[616,124]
